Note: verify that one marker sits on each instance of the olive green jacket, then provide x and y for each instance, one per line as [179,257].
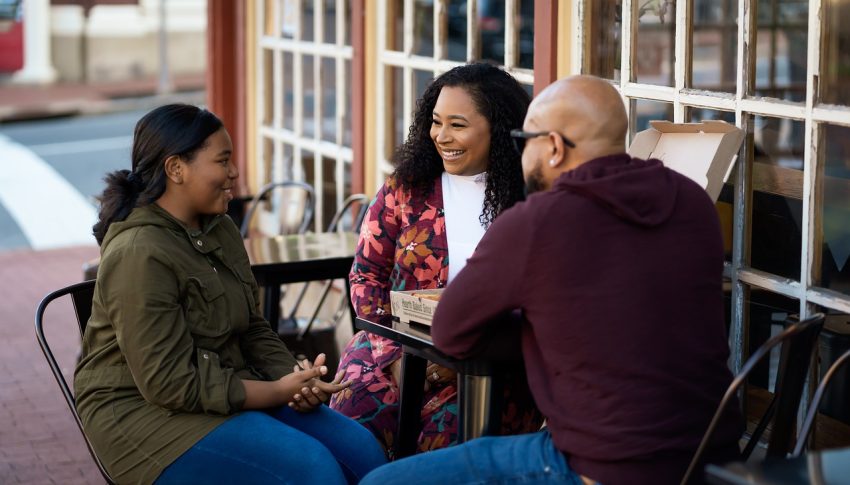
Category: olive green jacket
[175,328]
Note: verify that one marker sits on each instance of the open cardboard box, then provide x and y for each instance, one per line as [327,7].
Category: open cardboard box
[703,152]
[409,307]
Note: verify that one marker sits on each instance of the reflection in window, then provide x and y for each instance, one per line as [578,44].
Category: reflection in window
[654,53]
[307,20]
[645,111]
[349,108]
[421,80]
[456,30]
[423,28]
[777,195]
[308,100]
[288,98]
[329,101]
[835,55]
[396,123]
[605,32]
[767,313]
[715,45]
[395,28]
[835,260]
[525,41]
[330,21]
[491,27]
[781,42]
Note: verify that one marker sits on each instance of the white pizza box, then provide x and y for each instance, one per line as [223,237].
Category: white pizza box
[703,152]
[408,307]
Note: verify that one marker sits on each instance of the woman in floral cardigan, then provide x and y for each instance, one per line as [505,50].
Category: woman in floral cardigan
[455,173]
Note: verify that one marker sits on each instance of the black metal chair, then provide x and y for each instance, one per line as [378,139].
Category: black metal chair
[294,210]
[806,429]
[798,344]
[81,295]
[298,337]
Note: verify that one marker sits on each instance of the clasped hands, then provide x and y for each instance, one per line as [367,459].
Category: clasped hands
[308,390]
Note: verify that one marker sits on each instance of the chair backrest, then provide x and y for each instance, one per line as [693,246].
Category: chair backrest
[81,295]
[806,429]
[293,204]
[346,208]
[798,344]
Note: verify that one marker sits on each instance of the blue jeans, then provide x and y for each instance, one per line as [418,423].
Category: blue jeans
[528,459]
[279,446]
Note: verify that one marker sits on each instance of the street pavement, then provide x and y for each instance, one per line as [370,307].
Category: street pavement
[51,169]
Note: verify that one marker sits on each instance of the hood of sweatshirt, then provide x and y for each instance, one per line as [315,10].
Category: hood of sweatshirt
[642,192]
[153,215]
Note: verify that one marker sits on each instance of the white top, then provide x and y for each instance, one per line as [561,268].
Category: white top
[463,200]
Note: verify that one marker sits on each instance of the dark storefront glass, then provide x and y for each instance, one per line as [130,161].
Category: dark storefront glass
[777,208]
[605,25]
[714,46]
[656,40]
[781,43]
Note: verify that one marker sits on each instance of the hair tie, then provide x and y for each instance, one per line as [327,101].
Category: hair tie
[136,181]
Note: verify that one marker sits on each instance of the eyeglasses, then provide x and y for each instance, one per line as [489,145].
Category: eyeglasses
[519,137]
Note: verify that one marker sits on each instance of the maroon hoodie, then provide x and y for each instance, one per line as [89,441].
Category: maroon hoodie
[618,273]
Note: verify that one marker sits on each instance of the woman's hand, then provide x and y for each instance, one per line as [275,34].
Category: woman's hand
[315,392]
[437,374]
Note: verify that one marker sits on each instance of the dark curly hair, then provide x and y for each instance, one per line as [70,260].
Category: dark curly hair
[500,99]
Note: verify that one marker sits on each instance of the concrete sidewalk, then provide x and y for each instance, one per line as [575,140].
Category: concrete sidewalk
[20,102]
[39,441]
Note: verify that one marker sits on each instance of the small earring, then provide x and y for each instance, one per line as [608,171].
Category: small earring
[552,162]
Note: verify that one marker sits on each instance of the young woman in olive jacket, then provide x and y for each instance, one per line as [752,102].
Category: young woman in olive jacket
[176,352]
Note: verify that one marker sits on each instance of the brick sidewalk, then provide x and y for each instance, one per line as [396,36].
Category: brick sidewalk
[39,442]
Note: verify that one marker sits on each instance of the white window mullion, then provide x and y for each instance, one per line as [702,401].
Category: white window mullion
[626,54]
[441,18]
[511,15]
[682,48]
[473,43]
[408,27]
[261,95]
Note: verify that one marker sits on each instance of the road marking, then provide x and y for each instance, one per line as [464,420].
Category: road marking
[82,146]
[49,210]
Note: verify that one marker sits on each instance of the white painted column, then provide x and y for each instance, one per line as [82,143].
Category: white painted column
[37,66]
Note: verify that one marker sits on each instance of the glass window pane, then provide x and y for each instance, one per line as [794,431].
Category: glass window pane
[491,28]
[835,270]
[330,21]
[715,45]
[395,125]
[768,312]
[266,111]
[329,101]
[395,28]
[835,53]
[834,341]
[423,28]
[347,22]
[605,27]
[309,96]
[654,52]
[781,43]
[725,199]
[777,208]
[645,111]
[456,29]
[525,42]
[307,20]
[288,96]
[421,80]
[346,120]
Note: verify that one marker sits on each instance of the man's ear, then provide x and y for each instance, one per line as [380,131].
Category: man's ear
[173,167]
[558,154]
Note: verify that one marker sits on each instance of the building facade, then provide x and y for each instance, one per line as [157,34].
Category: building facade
[330,85]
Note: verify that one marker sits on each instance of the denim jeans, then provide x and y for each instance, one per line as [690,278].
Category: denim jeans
[279,446]
[528,459]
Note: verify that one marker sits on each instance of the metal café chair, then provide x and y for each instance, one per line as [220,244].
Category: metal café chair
[293,204]
[81,295]
[806,429]
[298,337]
[798,342]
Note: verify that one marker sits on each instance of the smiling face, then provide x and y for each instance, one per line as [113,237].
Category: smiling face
[208,180]
[460,133]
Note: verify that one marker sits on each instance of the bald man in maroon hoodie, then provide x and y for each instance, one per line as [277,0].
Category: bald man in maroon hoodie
[616,264]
